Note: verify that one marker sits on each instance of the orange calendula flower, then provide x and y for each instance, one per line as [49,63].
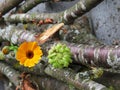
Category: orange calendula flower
[29,54]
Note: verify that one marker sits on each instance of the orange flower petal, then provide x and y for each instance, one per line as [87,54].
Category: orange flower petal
[36,59]
[23,46]
[22,60]
[19,55]
[23,50]
[32,45]
[37,51]
[28,63]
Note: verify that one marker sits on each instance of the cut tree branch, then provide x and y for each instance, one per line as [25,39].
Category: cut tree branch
[97,56]
[29,4]
[11,33]
[49,83]
[74,79]
[92,55]
[68,16]
[46,83]
[10,73]
[7,5]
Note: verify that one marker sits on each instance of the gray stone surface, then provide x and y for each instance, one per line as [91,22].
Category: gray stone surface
[106,21]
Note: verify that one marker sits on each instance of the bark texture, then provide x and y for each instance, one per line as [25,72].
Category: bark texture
[10,73]
[15,36]
[74,79]
[98,56]
[68,16]
[29,4]
[7,5]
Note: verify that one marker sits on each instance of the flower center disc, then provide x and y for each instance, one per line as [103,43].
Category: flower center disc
[29,54]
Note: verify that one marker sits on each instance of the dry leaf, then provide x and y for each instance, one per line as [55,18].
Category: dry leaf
[26,83]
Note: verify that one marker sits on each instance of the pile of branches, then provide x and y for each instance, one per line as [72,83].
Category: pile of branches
[90,58]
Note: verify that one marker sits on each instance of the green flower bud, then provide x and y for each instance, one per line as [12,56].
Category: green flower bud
[2,56]
[52,55]
[5,49]
[51,61]
[59,56]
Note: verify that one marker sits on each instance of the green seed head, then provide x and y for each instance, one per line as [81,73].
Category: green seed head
[59,56]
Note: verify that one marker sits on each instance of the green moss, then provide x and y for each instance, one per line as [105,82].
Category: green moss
[111,88]
[98,72]
[112,58]
[71,87]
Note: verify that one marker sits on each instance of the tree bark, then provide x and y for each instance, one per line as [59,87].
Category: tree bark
[11,33]
[74,79]
[49,83]
[10,73]
[97,56]
[68,16]
[7,5]
[29,4]
[45,83]
[16,36]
